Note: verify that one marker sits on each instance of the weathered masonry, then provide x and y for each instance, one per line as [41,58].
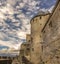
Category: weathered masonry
[6,59]
[25,51]
[45,37]
[43,45]
[51,38]
[37,23]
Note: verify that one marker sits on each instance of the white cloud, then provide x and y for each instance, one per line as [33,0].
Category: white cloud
[6,43]
[10,45]
[21,5]
[12,2]
[28,12]
[21,35]
[22,21]
[37,7]
[21,15]
[17,46]
[7,9]
[2,15]
[33,3]
[51,8]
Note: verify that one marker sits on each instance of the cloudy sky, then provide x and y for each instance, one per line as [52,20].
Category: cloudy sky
[15,16]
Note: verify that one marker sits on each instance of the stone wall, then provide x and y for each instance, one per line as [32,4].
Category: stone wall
[51,38]
[25,50]
[37,24]
[28,38]
[44,42]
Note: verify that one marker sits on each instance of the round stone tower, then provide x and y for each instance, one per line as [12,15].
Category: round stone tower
[37,24]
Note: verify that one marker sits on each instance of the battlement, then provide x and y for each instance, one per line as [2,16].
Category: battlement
[38,22]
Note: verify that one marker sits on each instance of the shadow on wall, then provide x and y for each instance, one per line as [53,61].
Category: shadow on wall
[25,60]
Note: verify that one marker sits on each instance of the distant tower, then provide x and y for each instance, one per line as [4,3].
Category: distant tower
[37,24]
[28,38]
[28,42]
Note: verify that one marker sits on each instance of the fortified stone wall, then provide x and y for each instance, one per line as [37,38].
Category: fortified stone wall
[37,24]
[51,38]
[44,41]
[28,49]
[25,50]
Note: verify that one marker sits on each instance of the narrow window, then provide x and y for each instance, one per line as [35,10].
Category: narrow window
[57,57]
[32,49]
[42,48]
[36,19]
[44,31]
[50,24]
[40,35]
[33,20]
[40,24]
[29,40]
[28,49]
[40,17]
